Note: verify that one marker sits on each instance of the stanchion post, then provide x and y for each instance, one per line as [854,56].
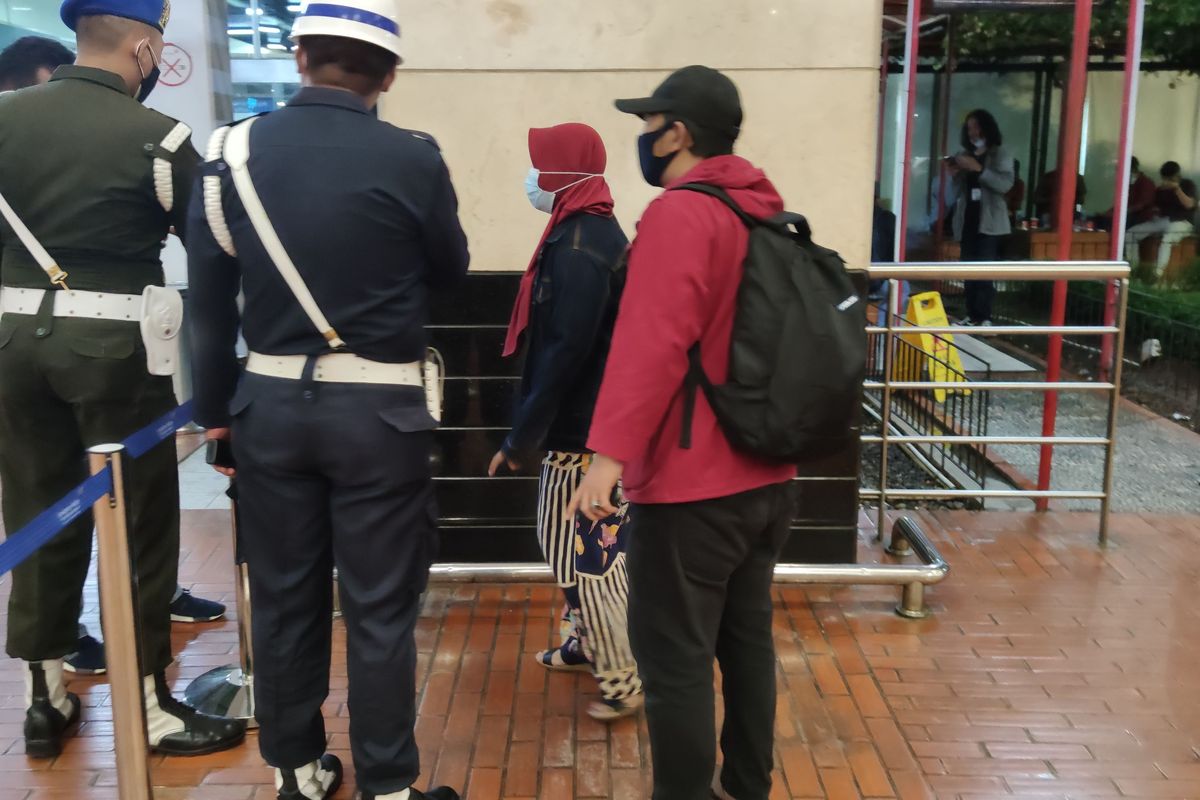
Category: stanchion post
[120,631]
[229,691]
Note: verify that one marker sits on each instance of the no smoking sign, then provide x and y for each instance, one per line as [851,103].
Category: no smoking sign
[175,66]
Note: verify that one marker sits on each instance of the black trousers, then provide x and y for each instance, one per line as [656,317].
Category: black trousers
[980,295]
[700,579]
[336,474]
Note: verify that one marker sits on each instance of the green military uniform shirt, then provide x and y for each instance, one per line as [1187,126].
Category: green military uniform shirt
[77,164]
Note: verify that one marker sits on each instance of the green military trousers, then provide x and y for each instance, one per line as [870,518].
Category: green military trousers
[65,385]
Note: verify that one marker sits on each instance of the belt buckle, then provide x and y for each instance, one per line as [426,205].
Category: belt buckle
[58,277]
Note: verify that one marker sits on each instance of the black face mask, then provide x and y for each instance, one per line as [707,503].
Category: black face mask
[148,81]
[654,166]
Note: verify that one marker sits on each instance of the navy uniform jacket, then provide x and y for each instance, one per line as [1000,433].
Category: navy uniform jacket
[368,215]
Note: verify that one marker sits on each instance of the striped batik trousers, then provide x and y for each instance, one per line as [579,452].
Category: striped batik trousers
[588,562]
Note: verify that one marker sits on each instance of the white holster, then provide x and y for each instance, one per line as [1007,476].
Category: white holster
[161,321]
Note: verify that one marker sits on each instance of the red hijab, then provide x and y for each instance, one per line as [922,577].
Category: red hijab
[575,149]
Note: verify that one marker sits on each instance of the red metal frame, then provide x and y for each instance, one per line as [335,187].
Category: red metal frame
[1068,171]
[1133,64]
[912,51]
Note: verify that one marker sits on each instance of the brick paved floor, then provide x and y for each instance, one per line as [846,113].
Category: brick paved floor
[1049,670]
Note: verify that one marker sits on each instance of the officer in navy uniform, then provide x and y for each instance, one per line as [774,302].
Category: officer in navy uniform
[336,226]
[94,182]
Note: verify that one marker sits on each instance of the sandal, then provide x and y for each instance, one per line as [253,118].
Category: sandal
[568,657]
[613,710]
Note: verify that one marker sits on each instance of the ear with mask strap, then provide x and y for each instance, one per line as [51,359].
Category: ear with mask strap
[149,81]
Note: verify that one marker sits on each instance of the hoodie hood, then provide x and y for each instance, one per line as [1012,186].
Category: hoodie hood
[746,184]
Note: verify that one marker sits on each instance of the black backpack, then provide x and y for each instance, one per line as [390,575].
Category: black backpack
[798,354]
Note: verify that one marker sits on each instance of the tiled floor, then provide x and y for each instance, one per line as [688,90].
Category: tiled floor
[1050,669]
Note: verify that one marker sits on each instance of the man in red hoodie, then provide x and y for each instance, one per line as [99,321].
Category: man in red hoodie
[708,523]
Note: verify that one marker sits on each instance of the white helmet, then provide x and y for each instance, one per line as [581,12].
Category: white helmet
[376,22]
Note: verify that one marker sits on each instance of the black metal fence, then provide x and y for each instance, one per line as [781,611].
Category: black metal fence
[921,412]
[1162,352]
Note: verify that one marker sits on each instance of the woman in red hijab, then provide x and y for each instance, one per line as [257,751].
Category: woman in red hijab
[564,317]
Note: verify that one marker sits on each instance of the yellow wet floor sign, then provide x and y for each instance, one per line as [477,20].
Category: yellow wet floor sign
[942,358]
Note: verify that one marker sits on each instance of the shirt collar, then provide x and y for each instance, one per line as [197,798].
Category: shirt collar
[103,77]
[325,96]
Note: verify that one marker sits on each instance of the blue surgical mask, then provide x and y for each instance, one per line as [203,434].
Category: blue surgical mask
[654,166]
[979,143]
[149,81]
[543,200]
[539,198]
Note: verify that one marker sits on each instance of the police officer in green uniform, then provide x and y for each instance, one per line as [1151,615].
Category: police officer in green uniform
[96,181]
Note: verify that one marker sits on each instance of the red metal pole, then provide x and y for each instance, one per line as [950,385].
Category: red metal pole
[1068,171]
[912,51]
[1133,65]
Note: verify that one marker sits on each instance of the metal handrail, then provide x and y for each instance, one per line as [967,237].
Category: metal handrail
[911,578]
[1088,441]
[897,327]
[1002,271]
[948,494]
[1010,330]
[1003,386]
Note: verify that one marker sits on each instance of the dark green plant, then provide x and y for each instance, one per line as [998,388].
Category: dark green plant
[1172,33]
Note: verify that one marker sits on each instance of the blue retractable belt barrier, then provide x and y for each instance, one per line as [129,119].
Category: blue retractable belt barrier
[45,526]
[150,436]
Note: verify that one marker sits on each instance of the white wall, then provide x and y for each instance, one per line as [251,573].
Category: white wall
[479,73]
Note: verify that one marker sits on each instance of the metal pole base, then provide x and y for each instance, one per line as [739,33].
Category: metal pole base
[912,602]
[910,613]
[224,692]
[898,547]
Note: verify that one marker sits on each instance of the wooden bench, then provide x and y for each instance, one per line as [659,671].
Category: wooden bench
[1183,255]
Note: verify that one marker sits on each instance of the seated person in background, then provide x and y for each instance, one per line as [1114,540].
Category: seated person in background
[1047,191]
[1142,193]
[1174,209]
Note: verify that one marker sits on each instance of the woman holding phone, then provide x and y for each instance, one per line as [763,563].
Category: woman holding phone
[983,173]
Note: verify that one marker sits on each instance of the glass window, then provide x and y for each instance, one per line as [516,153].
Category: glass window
[31,17]
[264,77]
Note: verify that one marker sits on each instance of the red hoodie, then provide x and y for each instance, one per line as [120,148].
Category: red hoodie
[684,269]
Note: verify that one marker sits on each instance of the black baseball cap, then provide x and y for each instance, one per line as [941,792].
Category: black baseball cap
[699,95]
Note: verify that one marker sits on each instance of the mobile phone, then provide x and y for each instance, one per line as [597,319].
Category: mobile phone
[220,454]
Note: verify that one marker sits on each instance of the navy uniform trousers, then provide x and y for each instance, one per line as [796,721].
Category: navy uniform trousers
[336,474]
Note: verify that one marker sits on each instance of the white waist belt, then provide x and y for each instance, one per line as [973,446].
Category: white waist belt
[337,368]
[85,305]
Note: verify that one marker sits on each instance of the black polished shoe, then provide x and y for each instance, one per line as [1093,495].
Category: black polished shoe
[202,734]
[322,785]
[46,727]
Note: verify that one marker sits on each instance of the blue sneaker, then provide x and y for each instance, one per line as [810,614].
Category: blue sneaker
[88,659]
[189,608]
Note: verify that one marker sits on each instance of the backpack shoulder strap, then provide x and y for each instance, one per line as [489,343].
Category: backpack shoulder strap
[695,380]
[723,196]
[237,156]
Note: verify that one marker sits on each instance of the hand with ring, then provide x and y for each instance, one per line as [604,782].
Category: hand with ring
[594,497]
